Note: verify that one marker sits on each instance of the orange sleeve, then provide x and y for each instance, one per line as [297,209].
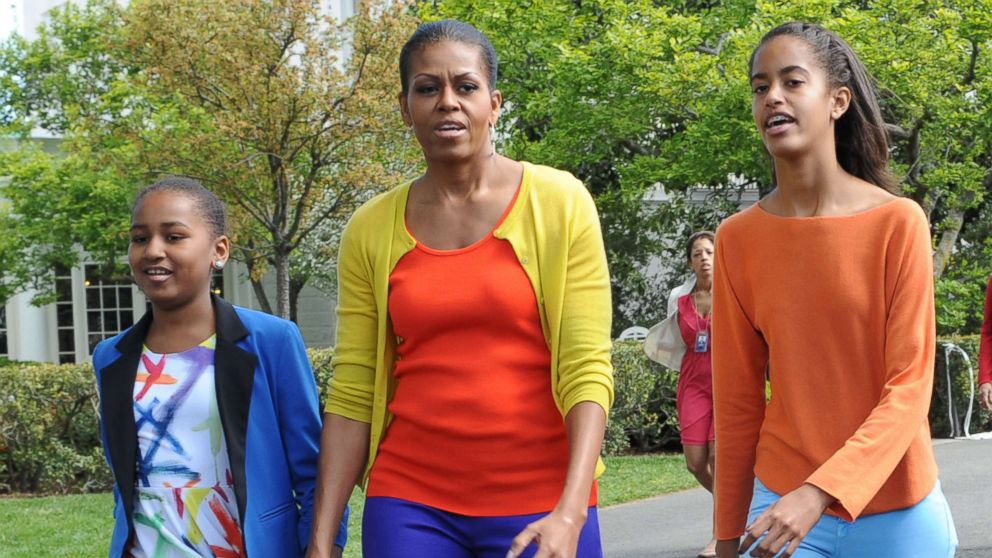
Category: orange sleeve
[740,357]
[872,453]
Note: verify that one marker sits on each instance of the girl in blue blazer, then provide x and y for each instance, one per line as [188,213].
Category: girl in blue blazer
[208,412]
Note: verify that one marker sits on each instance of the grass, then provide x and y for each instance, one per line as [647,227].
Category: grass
[635,477]
[79,526]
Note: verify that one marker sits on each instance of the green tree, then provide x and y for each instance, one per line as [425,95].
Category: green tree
[629,94]
[287,114]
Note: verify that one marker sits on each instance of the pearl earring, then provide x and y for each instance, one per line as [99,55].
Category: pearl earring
[218,265]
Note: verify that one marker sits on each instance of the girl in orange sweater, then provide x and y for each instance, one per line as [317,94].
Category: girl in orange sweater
[826,284]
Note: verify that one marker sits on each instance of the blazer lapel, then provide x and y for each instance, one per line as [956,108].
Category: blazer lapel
[117,410]
[234,373]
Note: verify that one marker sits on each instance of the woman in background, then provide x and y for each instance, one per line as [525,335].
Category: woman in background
[682,342]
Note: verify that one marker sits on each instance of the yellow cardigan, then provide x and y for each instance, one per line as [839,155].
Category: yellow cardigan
[555,232]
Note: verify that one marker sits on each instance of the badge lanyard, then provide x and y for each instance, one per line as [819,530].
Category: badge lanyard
[702,335]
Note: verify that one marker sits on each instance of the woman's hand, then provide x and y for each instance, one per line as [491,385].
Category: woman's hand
[985,395]
[556,536]
[786,522]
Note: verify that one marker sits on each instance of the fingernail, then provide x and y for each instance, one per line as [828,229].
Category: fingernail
[510,554]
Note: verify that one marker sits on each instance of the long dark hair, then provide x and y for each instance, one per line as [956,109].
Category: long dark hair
[448,30]
[859,134]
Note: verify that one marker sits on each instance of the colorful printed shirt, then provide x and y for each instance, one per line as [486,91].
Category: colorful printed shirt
[185,503]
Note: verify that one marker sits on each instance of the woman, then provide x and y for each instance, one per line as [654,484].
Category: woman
[196,473]
[827,281]
[472,372]
[985,354]
[688,326]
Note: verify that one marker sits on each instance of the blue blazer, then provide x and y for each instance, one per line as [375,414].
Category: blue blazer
[269,411]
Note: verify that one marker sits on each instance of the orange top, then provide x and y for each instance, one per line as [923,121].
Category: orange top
[475,428]
[840,311]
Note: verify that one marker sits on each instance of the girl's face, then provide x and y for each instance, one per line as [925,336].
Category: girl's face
[793,104]
[449,104]
[172,249]
[701,258]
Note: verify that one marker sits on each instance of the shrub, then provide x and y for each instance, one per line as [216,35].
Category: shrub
[49,440]
[941,410]
[643,416]
[320,360]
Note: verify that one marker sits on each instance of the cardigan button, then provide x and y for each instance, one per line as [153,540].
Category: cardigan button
[524,260]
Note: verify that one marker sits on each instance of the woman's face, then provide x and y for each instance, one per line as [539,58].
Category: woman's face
[793,104]
[172,248]
[448,103]
[701,258]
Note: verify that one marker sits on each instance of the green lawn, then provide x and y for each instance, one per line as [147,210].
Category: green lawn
[79,526]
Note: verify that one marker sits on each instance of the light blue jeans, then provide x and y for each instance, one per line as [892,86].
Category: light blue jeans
[925,530]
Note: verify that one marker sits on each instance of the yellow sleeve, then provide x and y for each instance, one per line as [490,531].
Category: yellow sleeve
[354,358]
[585,371]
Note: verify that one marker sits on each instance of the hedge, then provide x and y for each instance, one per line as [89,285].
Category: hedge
[49,441]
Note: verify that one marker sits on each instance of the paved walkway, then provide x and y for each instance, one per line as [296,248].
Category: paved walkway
[677,525]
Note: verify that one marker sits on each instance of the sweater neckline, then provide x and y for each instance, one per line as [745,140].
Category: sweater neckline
[821,218]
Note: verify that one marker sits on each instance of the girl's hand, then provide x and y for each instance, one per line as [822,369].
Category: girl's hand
[728,548]
[786,522]
[556,536]
[985,395]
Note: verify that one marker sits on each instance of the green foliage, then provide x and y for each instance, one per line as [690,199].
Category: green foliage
[940,417]
[254,99]
[49,441]
[961,289]
[629,94]
[643,417]
[320,360]
[65,196]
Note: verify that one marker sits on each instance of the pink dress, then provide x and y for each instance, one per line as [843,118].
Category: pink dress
[694,397]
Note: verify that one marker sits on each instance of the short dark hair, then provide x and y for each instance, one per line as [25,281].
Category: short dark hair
[692,240]
[208,204]
[861,144]
[434,32]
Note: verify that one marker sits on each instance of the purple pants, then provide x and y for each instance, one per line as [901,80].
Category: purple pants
[393,528]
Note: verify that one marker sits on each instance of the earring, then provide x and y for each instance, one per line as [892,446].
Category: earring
[219,265]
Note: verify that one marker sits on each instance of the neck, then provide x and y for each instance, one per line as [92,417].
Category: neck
[459,180]
[176,329]
[807,185]
[703,284]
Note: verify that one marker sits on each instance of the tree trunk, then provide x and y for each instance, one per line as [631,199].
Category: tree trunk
[295,286]
[952,225]
[282,284]
[952,228]
[263,299]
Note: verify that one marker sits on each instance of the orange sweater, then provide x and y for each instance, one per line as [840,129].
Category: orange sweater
[840,311]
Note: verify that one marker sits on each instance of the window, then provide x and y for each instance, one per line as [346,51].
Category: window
[4,351]
[64,323]
[109,305]
[217,283]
